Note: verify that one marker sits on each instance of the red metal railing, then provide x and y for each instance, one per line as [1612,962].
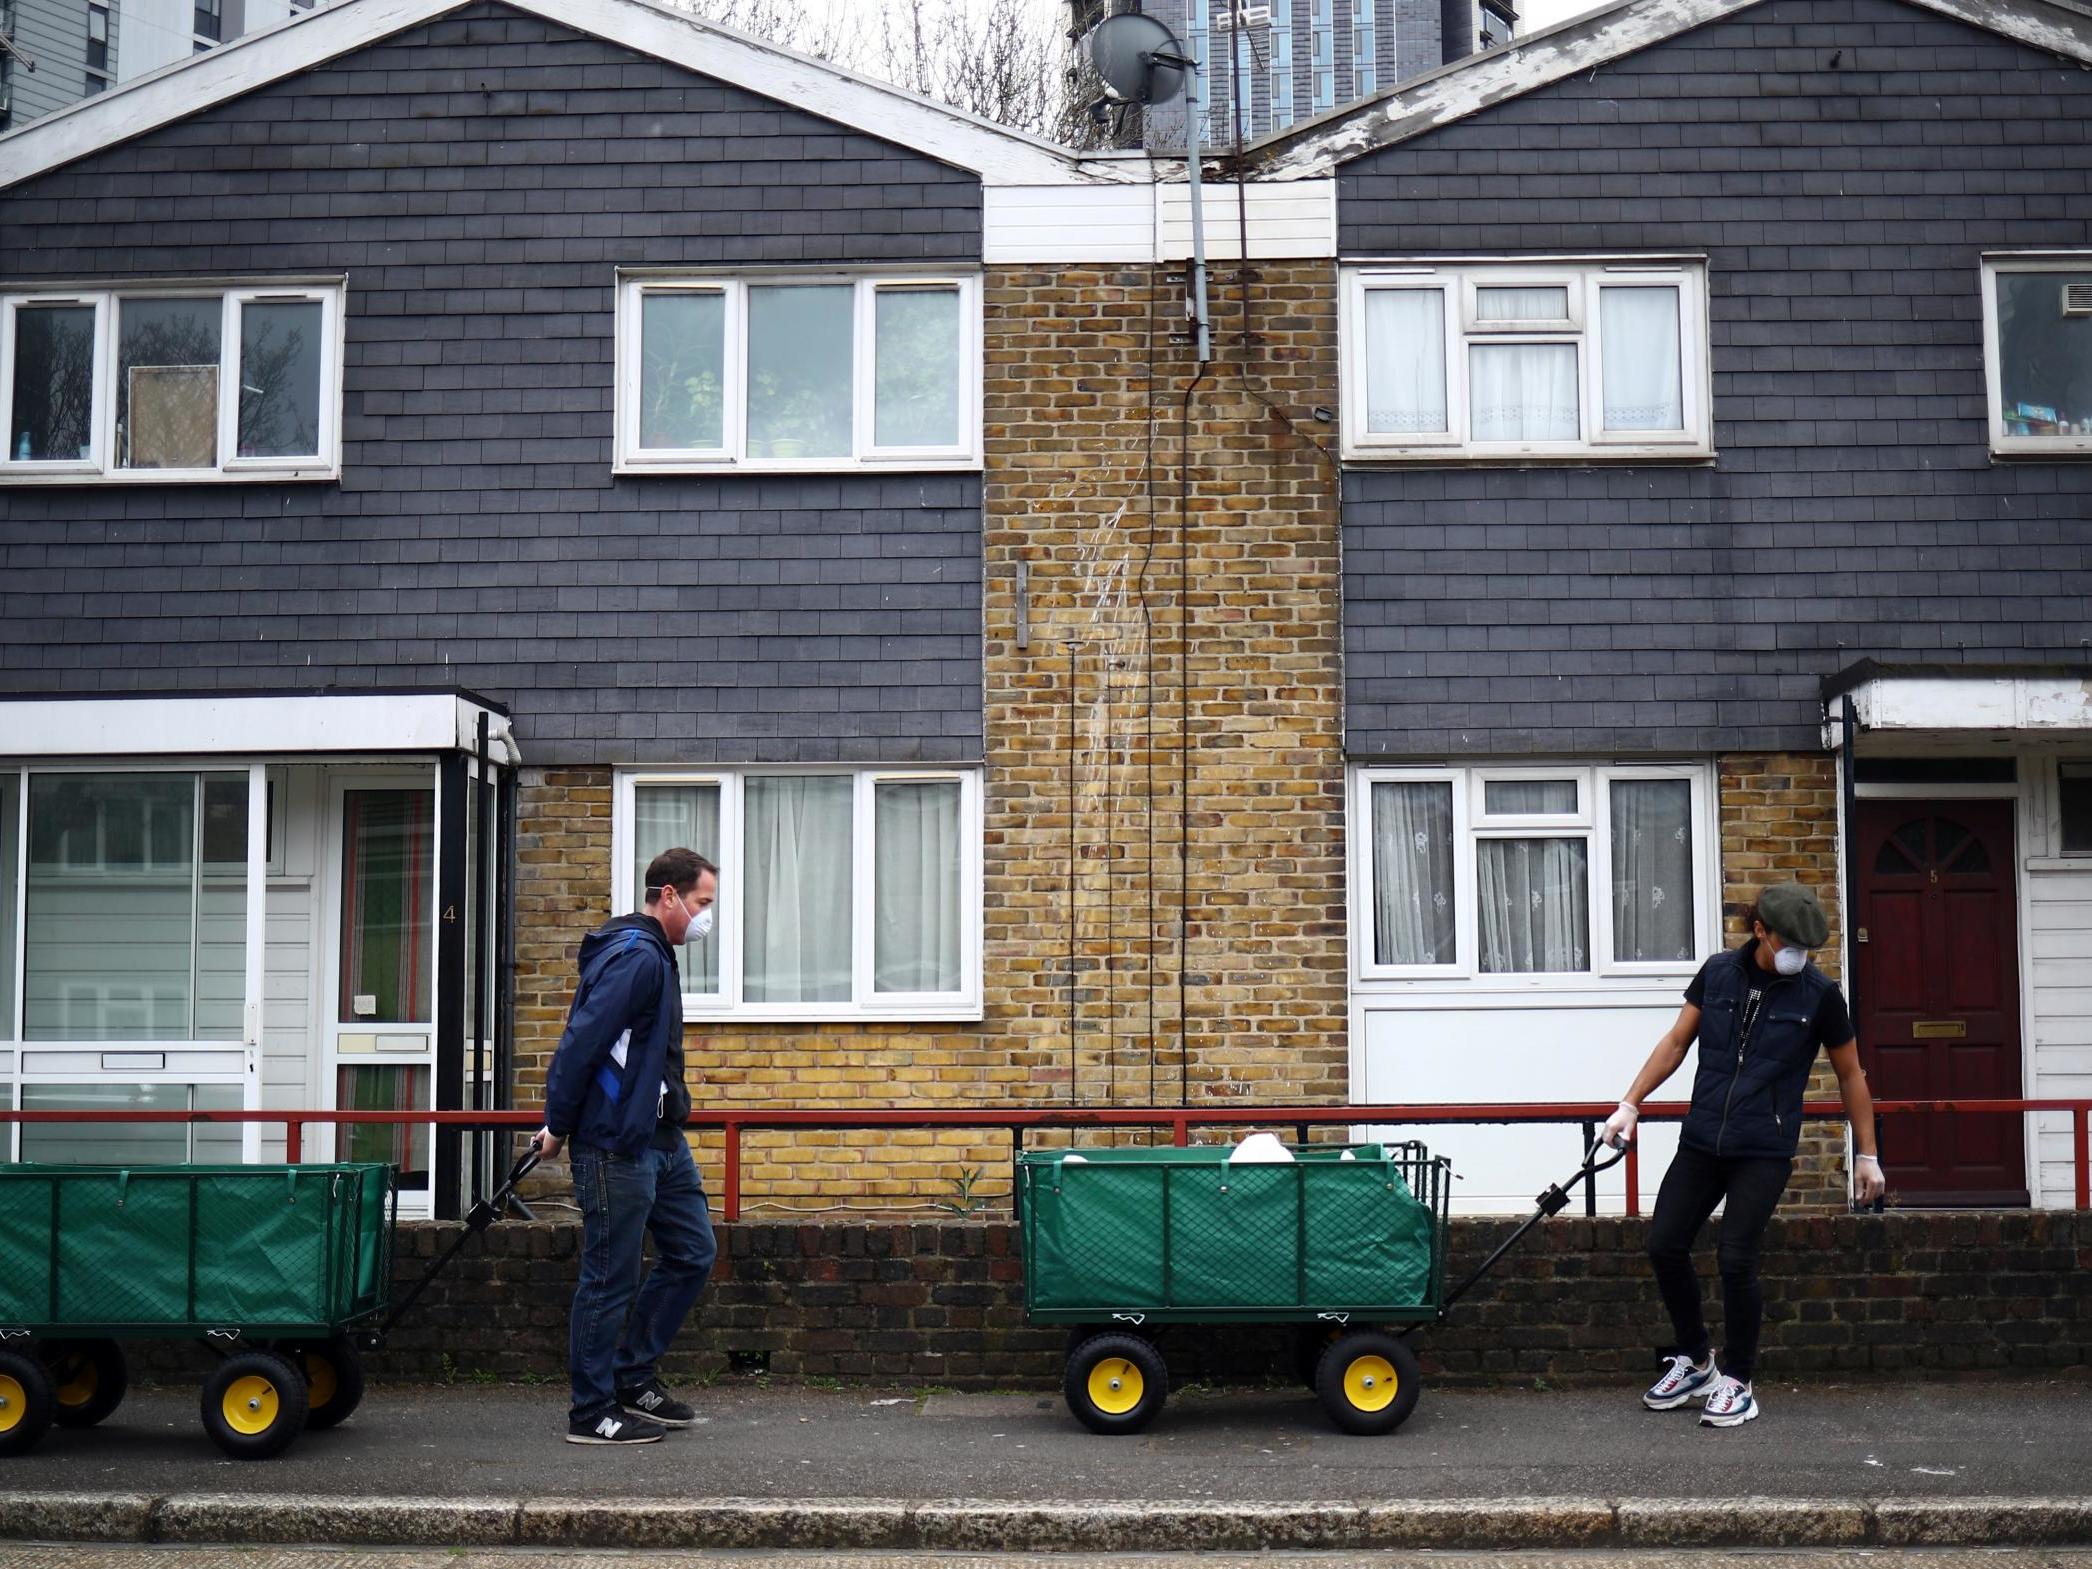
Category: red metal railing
[1179,1120]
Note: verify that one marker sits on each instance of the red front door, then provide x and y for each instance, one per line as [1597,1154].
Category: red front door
[1939,994]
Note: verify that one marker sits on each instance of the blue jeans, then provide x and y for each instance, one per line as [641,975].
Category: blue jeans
[620,1328]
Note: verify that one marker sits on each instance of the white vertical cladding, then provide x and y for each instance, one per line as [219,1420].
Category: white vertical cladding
[1121,224]
[251,1033]
[2056,940]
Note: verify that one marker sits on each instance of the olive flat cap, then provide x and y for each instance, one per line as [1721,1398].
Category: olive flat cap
[1792,911]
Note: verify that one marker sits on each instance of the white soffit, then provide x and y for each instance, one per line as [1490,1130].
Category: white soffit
[1000,156]
[145,727]
[2030,704]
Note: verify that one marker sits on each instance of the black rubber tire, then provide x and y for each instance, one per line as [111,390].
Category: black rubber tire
[280,1381]
[1137,1353]
[88,1379]
[30,1402]
[1333,1389]
[333,1372]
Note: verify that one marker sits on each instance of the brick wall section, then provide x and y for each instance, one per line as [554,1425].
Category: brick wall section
[943,1304]
[1085,386]
[1779,823]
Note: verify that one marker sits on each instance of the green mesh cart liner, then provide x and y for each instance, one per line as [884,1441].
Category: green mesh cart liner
[174,1250]
[1180,1234]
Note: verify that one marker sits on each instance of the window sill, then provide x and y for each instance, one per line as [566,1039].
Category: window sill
[2062,452]
[630,470]
[87,479]
[1592,457]
[2081,864]
[695,1012]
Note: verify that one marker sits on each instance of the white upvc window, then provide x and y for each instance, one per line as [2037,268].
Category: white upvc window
[1532,875]
[1525,360]
[2037,352]
[805,371]
[843,892]
[152,383]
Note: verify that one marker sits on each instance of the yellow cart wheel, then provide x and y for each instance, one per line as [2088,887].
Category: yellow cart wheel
[254,1405]
[88,1378]
[1368,1381]
[333,1378]
[1115,1383]
[26,1402]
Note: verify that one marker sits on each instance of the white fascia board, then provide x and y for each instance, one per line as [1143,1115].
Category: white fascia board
[332,723]
[2039,705]
[998,155]
[1149,222]
[1584,44]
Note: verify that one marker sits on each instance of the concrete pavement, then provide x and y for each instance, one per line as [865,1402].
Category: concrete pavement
[1876,1463]
[28,1556]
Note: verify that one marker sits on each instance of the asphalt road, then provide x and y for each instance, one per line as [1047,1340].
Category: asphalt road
[1852,1442]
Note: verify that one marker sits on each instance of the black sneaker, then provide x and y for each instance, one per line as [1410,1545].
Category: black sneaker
[614,1427]
[651,1402]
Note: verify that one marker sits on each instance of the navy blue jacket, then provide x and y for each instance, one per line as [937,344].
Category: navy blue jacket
[1747,1096]
[629,983]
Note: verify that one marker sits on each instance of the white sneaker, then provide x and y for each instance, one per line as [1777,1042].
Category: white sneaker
[1686,1380]
[1729,1404]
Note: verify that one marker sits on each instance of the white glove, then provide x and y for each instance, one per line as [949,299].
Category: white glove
[1619,1127]
[1868,1183]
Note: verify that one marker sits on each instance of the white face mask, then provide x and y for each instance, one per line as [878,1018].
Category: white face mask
[700,926]
[1791,961]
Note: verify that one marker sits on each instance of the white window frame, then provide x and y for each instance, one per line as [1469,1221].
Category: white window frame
[1585,279]
[632,458]
[2002,443]
[1591,821]
[100,466]
[728,1003]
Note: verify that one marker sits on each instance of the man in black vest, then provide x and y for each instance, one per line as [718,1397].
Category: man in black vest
[1760,1012]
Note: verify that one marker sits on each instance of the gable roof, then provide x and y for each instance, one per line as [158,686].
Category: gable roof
[1314,148]
[999,155]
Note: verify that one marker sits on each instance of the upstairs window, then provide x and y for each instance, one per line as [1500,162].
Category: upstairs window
[1526,360]
[797,372]
[150,385]
[2037,339]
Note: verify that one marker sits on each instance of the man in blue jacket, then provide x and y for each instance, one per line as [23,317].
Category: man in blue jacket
[616,1091]
[1760,1012]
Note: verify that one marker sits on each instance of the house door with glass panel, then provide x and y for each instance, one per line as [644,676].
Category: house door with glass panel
[379,975]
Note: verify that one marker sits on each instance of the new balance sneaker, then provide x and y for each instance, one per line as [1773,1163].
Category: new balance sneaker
[1729,1404]
[1685,1380]
[652,1402]
[614,1427]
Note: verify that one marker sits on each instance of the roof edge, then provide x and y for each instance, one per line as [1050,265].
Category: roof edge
[998,154]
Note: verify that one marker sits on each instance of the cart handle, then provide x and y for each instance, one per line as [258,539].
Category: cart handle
[1551,1202]
[477,1219]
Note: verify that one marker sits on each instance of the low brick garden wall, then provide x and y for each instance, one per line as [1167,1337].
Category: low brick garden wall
[942,1303]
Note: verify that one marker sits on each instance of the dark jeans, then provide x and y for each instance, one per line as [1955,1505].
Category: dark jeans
[1692,1187]
[620,1328]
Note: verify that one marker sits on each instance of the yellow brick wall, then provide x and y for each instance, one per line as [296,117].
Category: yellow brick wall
[1779,823]
[1082,842]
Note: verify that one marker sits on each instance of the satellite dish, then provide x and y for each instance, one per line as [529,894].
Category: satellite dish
[1124,50]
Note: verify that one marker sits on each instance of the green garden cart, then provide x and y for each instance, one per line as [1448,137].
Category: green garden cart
[1346,1242]
[284,1271]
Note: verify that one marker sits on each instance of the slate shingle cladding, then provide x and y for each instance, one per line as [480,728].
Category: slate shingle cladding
[1854,510]
[478,179]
